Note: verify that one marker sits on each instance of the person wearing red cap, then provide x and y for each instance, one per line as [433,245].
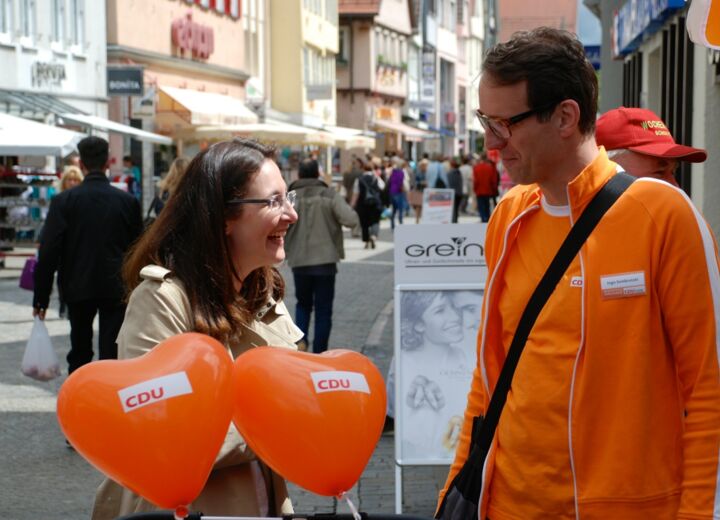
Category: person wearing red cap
[614,408]
[641,143]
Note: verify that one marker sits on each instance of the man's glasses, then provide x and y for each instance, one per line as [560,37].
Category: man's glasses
[501,126]
[275,203]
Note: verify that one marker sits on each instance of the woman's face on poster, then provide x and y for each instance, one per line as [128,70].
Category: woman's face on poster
[440,322]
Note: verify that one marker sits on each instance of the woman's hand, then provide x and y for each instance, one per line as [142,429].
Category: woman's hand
[424,392]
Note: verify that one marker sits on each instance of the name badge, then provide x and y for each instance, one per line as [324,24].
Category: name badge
[623,285]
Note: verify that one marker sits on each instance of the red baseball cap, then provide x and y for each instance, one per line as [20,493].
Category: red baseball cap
[641,130]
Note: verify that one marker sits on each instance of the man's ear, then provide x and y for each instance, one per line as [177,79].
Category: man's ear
[567,117]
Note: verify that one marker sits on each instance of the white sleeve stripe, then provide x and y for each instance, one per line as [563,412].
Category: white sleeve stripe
[714,280]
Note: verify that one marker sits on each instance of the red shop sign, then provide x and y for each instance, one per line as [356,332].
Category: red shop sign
[192,37]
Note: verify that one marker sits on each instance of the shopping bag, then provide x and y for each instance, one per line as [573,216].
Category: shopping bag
[27,280]
[40,361]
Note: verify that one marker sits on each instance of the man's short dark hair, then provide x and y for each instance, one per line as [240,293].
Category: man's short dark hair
[553,63]
[94,152]
[309,169]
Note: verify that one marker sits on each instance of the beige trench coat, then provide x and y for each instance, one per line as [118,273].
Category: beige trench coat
[239,484]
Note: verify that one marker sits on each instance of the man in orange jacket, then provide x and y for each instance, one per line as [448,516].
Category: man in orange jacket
[614,409]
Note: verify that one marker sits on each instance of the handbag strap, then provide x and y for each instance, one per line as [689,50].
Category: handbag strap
[594,211]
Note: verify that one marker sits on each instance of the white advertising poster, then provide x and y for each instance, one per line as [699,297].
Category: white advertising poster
[440,254]
[440,274]
[437,206]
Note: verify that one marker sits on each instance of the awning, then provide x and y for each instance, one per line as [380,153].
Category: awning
[31,104]
[271,131]
[409,132]
[20,136]
[112,126]
[204,108]
[348,138]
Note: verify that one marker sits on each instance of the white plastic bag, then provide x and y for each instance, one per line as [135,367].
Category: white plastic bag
[40,361]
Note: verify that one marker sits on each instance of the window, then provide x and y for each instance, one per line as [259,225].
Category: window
[58,21]
[343,54]
[253,36]
[5,16]
[235,8]
[27,18]
[331,13]
[77,17]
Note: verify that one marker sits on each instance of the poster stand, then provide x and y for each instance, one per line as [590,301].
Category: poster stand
[440,275]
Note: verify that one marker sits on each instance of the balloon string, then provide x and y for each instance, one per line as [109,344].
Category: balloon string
[353,509]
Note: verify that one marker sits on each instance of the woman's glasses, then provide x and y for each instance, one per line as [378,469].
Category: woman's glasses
[275,203]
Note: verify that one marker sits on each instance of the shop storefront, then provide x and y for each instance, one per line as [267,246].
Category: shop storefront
[194,73]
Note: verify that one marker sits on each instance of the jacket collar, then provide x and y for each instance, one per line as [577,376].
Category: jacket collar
[582,188]
[306,183]
[96,176]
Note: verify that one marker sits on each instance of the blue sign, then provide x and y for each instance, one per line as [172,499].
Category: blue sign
[637,19]
[592,53]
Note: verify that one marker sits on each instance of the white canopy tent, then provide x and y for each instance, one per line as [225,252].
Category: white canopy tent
[20,136]
[349,138]
[113,126]
[273,131]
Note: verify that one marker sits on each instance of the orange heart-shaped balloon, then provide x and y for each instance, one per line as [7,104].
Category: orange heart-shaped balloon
[154,423]
[313,418]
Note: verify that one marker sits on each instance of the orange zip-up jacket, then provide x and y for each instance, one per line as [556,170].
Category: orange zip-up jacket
[644,405]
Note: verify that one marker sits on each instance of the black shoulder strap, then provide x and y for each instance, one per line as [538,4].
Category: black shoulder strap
[595,210]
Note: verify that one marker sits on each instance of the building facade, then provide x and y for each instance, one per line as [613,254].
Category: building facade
[195,57]
[52,57]
[372,70]
[303,45]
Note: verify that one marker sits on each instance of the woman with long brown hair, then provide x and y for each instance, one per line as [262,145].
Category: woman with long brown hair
[207,265]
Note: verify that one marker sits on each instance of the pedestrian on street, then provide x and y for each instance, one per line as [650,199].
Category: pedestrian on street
[638,140]
[314,246]
[396,189]
[436,174]
[614,409]
[466,170]
[87,232]
[367,201]
[351,176]
[207,266]
[485,184]
[168,184]
[72,176]
[455,182]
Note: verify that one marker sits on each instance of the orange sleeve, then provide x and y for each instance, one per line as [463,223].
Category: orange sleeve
[688,284]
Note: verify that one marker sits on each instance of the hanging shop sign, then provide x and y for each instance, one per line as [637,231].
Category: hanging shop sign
[703,23]
[638,19]
[125,81]
[193,38]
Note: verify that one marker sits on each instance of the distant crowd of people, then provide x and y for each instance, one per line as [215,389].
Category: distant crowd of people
[393,182]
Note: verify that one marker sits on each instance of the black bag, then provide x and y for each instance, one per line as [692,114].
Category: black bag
[372,198]
[439,183]
[148,220]
[461,501]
